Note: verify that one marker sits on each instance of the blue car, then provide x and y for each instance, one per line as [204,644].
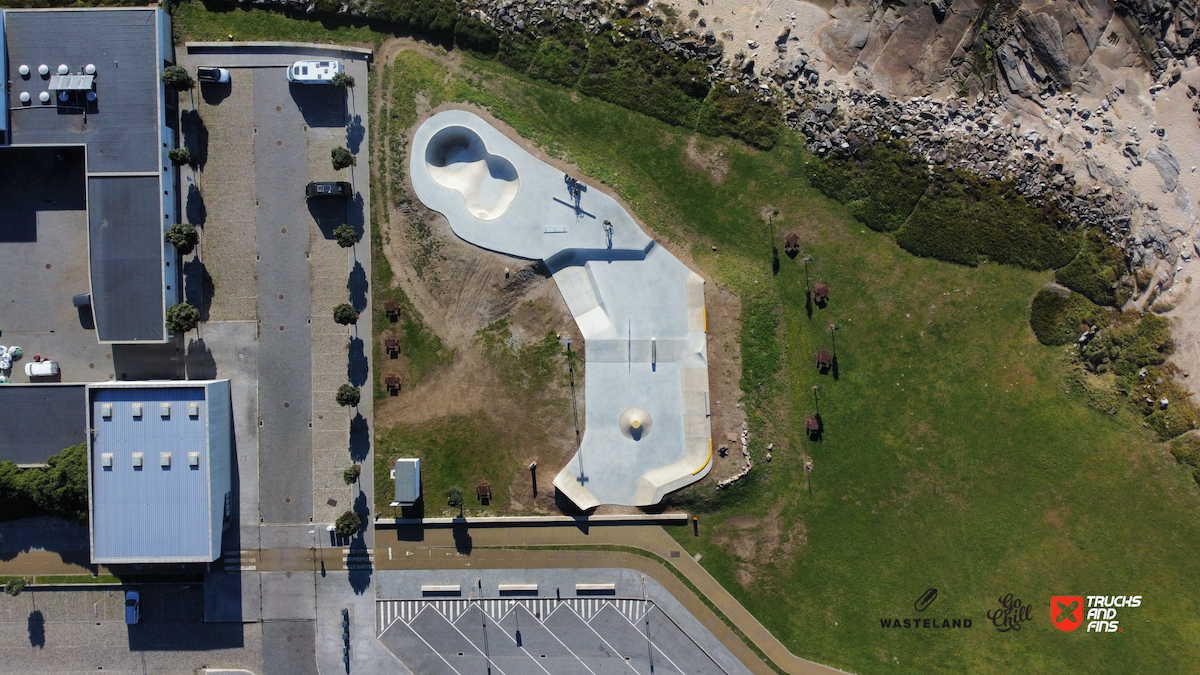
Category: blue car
[133,607]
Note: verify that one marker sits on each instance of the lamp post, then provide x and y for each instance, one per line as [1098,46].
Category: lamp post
[816,399]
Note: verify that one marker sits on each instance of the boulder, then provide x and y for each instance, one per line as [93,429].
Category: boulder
[1045,39]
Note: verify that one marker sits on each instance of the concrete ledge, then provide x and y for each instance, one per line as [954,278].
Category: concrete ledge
[289,47]
[540,521]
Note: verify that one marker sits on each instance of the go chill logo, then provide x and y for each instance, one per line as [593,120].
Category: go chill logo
[1067,612]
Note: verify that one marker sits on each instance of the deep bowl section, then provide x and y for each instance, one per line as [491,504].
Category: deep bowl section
[458,159]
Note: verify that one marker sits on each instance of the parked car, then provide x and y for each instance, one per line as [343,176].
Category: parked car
[212,74]
[41,368]
[133,607]
[332,188]
[314,72]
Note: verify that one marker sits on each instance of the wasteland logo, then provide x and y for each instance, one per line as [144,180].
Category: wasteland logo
[1011,614]
[922,603]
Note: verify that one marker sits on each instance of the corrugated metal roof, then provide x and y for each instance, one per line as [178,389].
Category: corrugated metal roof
[156,513]
[38,420]
[408,480]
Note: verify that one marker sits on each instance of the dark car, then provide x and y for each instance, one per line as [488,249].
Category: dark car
[338,188]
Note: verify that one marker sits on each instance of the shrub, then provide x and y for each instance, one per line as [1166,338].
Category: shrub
[1159,383]
[641,77]
[342,158]
[343,80]
[14,587]
[1130,342]
[454,499]
[58,489]
[1096,271]
[183,237]
[348,395]
[351,474]
[345,314]
[740,115]
[347,524]
[1056,319]
[476,36]
[179,156]
[1186,450]
[177,78]
[963,218]
[345,235]
[182,317]
[881,183]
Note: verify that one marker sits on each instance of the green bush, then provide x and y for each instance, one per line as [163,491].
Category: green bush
[1130,342]
[1096,271]
[183,237]
[342,158]
[58,489]
[454,499]
[347,524]
[345,235]
[559,58]
[476,36]
[964,219]
[343,80]
[1057,319]
[1160,383]
[740,115]
[351,474]
[182,317]
[1186,450]
[881,183]
[345,314]
[179,156]
[348,396]
[641,77]
[177,78]
[14,587]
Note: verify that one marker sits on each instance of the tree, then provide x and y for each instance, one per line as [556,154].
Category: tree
[182,317]
[14,587]
[348,395]
[342,158]
[58,489]
[343,80]
[345,314]
[345,235]
[454,499]
[179,156]
[177,78]
[183,237]
[347,524]
[350,475]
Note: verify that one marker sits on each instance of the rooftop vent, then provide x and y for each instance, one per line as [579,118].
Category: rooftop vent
[164,460]
[43,70]
[106,411]
[194,460]
[137,410]
[44,97]
[164,409]
[137,460]
[90,69]
[25,97]
[193,409]
[106,460]
[23,70]
[63,69]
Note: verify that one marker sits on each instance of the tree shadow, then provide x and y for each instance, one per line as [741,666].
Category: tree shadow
[328,213]
[37,629]
[360,438]
[198,287]
[357,369]
[195,136]
[355,133]
[462,537]
[357,285]
[360,579]
[199,361]
[355,215]
[197,214]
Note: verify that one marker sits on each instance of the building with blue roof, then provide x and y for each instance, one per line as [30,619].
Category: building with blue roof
[159,470]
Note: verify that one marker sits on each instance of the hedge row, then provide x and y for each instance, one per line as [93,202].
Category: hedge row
[59,489]
[629,72]
[881,183]
[966,219]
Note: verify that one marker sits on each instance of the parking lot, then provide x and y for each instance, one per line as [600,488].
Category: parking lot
[65,631]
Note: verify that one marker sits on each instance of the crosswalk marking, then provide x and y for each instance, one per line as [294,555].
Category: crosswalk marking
[452,609]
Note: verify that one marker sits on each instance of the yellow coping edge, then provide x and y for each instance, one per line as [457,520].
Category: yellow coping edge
[706,461]
[704,315]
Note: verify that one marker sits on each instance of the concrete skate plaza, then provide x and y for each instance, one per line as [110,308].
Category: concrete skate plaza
[639,309]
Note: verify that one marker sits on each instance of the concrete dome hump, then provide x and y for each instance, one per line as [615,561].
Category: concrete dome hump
[635,423]
[458,159]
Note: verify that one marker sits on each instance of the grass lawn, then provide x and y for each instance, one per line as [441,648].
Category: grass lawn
[959,453]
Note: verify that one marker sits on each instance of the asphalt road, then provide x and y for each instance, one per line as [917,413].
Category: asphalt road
[285,349]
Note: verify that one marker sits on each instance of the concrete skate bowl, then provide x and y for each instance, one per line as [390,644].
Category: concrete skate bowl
[458,159]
